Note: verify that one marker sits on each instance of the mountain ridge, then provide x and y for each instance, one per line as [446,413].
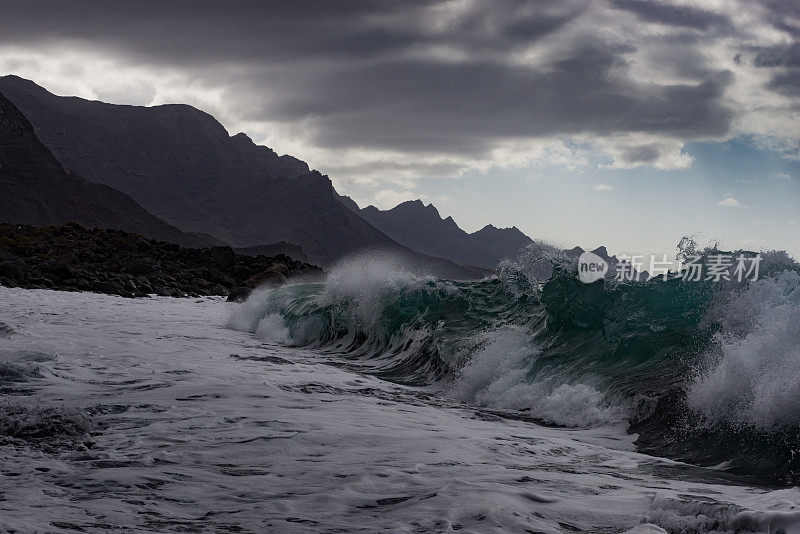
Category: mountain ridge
[181,165]
[421,227]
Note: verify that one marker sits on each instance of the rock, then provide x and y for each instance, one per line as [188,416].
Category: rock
[239,294]
[61,271]
[11,269]
[139,267]
[126,264]
[201,283]
[279,268]
[40,282]
[217,289]
[223,258]
[105,287]
[240,272]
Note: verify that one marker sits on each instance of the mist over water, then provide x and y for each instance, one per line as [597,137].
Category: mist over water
[702,372]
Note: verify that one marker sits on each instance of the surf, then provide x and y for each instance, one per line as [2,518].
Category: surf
[699,372]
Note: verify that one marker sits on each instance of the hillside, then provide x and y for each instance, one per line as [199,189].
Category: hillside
[36,189]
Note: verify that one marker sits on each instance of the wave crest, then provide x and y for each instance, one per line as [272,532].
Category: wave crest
[651,354]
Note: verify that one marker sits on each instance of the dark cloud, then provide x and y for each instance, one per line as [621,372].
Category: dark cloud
[787,83]
[786,61]
[458,107]
[671,14]
[780,56]
[207,30]
[420,75]
[641,154]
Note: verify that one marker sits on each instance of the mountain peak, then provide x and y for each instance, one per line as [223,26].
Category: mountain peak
[416,204]
[242,138]
[22,82]
[574,252]
[417,207]
[419,226]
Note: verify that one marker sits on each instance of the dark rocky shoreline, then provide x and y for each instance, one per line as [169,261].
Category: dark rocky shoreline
[116,262]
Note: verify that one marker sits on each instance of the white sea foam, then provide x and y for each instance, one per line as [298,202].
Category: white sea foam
[496,376]
[246,315]
[273,330]
[753,379]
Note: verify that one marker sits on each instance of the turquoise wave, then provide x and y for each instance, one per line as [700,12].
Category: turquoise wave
[702,372]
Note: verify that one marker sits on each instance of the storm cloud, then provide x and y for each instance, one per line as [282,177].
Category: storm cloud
[435,87]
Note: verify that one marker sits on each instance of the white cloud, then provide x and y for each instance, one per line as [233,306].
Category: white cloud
[603,187]
[783,176]
[730,202]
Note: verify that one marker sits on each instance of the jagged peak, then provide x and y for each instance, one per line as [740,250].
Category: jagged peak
[417,205]
[242,137]
[492,228]
[245,141]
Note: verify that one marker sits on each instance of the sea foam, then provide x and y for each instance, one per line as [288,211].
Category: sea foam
[753,379]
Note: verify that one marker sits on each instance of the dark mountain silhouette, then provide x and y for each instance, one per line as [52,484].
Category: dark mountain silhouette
[35,189]
[181,164]
[421,228]
[500,243]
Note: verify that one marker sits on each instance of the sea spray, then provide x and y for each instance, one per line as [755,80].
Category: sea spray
[753,379]
[661,355]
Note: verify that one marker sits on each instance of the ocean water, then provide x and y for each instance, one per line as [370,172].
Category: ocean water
[384,401]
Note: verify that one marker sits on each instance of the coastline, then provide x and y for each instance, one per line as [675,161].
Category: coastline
[116,262]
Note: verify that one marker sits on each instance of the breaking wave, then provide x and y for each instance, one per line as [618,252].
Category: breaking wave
[702,372]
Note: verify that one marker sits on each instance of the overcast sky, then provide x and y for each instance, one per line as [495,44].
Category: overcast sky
[627,123]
